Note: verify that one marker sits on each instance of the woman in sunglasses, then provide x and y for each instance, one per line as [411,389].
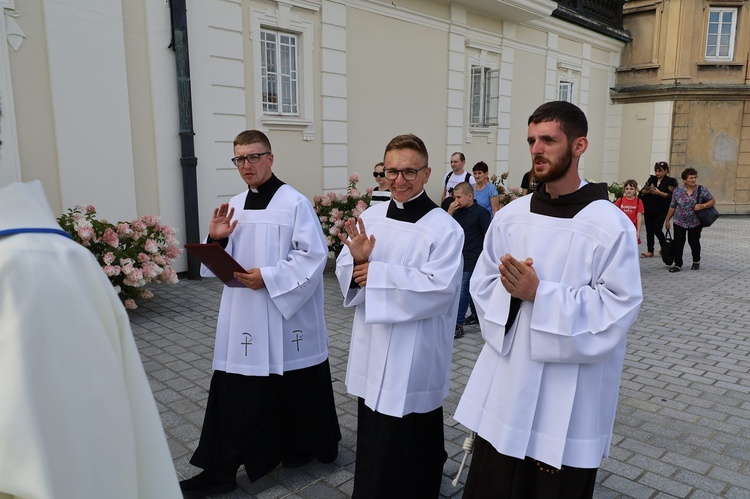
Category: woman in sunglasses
[656,195]
[382,192]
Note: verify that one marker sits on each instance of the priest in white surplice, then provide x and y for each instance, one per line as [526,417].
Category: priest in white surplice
[77,418]
[401,268]
[557,287]
[271,399]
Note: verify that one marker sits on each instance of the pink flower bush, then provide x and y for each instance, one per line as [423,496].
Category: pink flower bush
[132,254]
[335,209]
[505,194]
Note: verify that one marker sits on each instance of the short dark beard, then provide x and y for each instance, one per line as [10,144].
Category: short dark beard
[558,169]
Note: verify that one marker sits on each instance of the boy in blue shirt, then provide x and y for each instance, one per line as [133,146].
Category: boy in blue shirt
[475,221]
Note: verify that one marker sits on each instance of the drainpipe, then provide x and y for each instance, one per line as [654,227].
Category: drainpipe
[188,161]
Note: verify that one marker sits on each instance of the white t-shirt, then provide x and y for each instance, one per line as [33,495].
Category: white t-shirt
[453,180]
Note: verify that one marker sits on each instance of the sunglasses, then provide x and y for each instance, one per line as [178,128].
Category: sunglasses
[378,174]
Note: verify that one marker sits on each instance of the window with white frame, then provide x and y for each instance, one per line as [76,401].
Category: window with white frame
[279,72]
[565,91]
[485,96]
[722,26]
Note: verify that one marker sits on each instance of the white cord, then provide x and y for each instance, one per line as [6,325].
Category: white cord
[468,447]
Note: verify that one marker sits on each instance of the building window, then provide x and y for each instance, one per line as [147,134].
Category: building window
[485,96]
[565,91]
[722,25]
[279,72]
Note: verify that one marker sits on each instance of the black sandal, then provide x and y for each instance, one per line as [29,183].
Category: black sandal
[675,269]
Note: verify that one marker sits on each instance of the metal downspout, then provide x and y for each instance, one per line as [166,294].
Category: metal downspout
[188,161]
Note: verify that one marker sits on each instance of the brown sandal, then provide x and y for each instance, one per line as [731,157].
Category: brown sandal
[647,255]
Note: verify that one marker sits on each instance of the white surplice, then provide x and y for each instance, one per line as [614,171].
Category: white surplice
[548,388]
[280,327]
[405,318]
[77,417]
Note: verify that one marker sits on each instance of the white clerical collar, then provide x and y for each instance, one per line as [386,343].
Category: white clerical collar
[583,182]
[254,191]
[400,206]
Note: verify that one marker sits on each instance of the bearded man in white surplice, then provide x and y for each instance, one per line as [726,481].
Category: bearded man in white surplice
[271,399]
[557,287]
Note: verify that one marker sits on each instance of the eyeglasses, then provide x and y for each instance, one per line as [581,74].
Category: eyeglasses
[409,174]
[378,174]
[250,158]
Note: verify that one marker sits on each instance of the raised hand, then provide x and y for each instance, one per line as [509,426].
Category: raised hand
[221,224]
[360,246]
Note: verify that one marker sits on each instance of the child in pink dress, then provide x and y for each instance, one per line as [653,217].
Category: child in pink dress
[631,205]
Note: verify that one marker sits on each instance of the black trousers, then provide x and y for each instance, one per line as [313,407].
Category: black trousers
[693,239]
[496,476]
[654,223]
[399,457]
[262,421]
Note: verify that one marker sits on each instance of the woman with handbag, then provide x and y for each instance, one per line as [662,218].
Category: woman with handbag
[686,201]
[656,196]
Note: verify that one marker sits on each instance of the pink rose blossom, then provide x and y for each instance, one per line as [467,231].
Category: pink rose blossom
[147,294]
[169,276]
[370,190]
[109,258]
[130,304]
[111,270]
[123,229]
[151,220]
[151,270]
[173,252]
[334,231]
[151,246]
[323,219]
[110,237]
[86,234]
[143,257]
[326,201]
[354,193]
[353,178]
[339,223]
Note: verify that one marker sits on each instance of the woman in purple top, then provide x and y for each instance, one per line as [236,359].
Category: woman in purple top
[686,200]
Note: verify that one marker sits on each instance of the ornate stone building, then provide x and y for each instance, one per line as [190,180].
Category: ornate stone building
[683,86]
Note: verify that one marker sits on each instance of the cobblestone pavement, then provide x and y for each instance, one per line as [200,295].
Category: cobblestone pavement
[683,421]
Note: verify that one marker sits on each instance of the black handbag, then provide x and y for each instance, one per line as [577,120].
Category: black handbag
[667,252]
[708,215]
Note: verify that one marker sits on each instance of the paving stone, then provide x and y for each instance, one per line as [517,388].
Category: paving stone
[683,420]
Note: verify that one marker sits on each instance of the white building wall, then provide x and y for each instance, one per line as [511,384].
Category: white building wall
[11,37]
[85,45]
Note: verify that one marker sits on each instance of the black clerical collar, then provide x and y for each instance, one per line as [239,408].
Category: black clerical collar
[258,198]
[412,210]
[568,205]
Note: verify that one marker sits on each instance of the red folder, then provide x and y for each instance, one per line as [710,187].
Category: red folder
[218,261]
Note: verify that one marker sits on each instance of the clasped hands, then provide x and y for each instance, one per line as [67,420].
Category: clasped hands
[518,278]
[360,247]
[220,227]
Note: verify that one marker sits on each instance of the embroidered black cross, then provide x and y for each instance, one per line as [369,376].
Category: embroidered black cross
[297,337]
[248,341]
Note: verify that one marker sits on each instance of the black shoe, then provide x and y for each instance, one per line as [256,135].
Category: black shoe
[696,266]
[205,483]
[471,320]
[459,331]
[675,269]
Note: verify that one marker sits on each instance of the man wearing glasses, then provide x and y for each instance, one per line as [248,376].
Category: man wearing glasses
[401,268]
[271,399]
